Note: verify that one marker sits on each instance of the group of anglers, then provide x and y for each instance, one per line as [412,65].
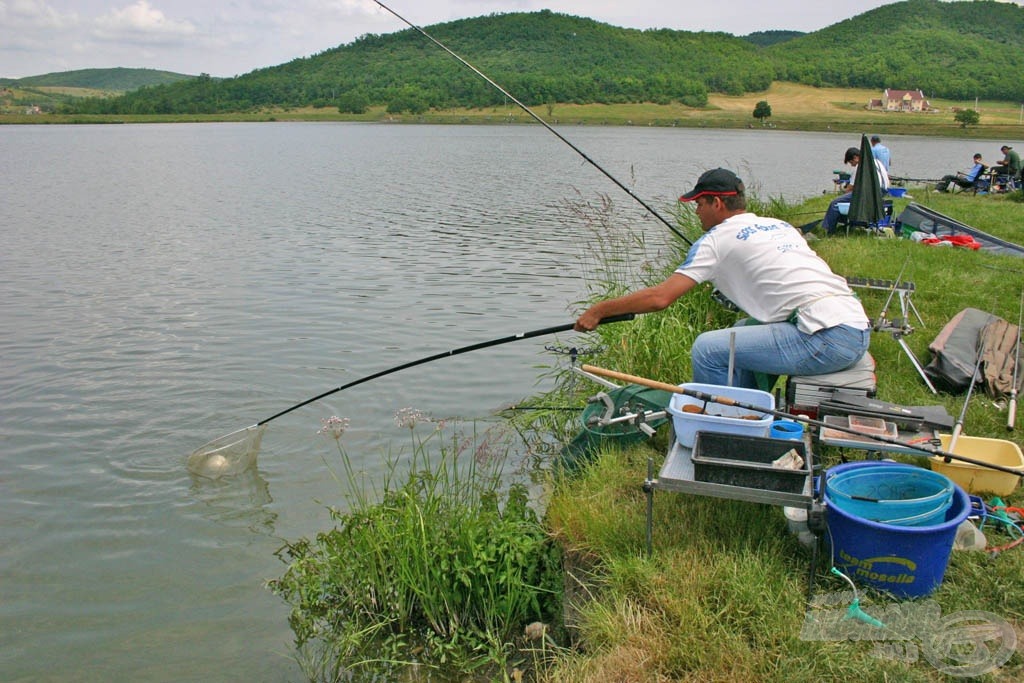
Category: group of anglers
[999,177]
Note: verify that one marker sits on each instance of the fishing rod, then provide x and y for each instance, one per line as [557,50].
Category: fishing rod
[1011,417]
[958,428]
[538,119]
[726,401]
[242,444]
[898,179]
[885,309]
[446,354]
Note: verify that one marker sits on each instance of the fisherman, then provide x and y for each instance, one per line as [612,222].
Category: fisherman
[964,179]
[881,152]
[810,321]
[1009,166]
[832,214]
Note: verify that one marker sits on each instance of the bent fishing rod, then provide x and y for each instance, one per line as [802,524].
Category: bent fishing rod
[446,354]
[209,447]
[538,119]
[726,401]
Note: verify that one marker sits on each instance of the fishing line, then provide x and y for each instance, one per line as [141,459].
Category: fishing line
[538,119]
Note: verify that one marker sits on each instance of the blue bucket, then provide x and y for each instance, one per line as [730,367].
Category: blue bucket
[906,561]
[890,493]
[786,429]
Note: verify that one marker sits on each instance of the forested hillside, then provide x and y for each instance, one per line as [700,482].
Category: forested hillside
[955,50]
[766,38]
[541,57]
[117,79]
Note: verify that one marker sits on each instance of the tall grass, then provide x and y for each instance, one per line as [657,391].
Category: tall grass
[440,570]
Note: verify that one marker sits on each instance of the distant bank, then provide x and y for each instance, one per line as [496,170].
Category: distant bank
[793,107]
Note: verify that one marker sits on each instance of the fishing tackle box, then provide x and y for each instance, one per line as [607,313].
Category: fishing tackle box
[746,461]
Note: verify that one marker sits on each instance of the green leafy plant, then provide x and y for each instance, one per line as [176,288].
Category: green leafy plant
[444,570]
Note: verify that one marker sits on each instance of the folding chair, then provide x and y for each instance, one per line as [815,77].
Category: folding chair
[845,222]
[997,183]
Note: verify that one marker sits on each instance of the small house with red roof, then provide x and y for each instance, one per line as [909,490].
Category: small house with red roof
[901,100]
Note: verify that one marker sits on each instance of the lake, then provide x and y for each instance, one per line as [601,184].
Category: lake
[162,285]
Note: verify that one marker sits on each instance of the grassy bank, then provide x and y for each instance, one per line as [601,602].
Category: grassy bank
[794,107]
[722,597]
[444,575]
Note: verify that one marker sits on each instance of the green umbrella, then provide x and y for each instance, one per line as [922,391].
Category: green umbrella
[866,206]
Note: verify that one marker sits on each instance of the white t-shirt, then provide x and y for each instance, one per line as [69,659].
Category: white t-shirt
[883,175]
[765,267]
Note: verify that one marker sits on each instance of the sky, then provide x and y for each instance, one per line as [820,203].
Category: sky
[231,37]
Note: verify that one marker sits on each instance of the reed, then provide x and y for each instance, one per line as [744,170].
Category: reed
[440,570]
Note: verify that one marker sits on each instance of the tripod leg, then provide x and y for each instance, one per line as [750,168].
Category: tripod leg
[917,365]
[913,308]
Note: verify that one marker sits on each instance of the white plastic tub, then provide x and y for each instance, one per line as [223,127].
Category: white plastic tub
[718,417]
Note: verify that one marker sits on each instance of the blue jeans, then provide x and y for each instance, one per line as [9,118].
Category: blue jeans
[775,349]
[832,213]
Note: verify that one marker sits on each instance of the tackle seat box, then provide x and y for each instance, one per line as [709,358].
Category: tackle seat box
[804,393]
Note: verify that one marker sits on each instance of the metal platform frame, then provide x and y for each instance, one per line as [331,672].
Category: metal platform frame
[897,327]
[677,475]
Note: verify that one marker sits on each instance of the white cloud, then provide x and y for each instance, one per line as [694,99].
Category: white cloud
[141,23]
[34,15]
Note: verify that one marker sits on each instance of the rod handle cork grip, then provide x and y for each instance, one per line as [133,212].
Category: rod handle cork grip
[1011,417]
[654,384]
[632,379]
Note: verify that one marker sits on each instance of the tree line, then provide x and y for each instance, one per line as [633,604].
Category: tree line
[958,50]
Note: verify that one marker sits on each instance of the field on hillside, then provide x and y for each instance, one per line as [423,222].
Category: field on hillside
[794,107]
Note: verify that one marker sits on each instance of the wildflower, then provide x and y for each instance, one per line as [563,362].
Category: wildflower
[333,426]
[410,417]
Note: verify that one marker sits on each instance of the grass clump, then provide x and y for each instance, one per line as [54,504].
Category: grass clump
[441,574]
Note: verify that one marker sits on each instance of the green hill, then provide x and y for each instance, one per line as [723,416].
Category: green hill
[115,80]
[766,38]
[956,50]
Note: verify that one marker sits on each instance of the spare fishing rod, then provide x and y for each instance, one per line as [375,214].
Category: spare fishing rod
[236,451]
[958,428]
[726,401]
[538,119]
[1011,417]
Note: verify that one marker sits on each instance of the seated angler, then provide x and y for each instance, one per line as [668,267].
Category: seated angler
[832,214]
[1007,169]
[810,321]
[964,179]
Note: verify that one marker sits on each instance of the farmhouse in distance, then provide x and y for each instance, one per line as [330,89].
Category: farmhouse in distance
[901,100]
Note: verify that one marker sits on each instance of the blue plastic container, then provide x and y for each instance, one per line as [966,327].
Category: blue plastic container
[786,429]
[907,561]
[891,493]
